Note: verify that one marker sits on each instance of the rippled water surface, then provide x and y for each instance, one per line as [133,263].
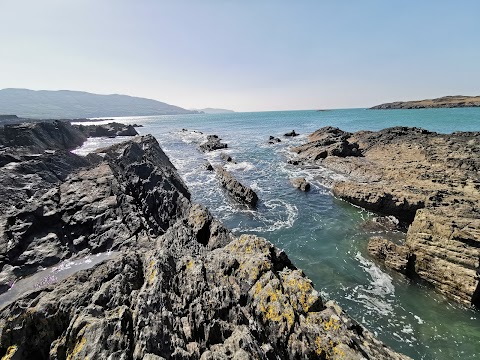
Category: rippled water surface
[322,235]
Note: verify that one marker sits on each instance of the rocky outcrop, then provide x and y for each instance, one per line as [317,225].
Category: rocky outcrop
[235,189]
[37,137]
[181,286]
[425,179]
[392,255]
[212,143]
[300,183]
[443,102]
[107,130]
[328,141]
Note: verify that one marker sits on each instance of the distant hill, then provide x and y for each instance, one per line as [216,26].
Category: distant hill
[443,102]
[78,104]
[215,111]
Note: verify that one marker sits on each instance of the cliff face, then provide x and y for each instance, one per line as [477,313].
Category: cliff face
[428,180]
[180,285]
[443,102]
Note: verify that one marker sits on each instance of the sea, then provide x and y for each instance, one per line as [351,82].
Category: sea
[322,235]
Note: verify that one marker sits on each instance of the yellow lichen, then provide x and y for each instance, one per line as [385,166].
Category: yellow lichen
[10,352]
[78,347]
[190,264]
[338,352]
[331,324]
[152,272]
[318,345]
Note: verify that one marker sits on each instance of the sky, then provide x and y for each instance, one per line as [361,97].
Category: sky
[245,55]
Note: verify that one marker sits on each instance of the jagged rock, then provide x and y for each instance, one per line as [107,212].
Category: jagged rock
[39,136]
[392,255]
[425,179]
[108,130]
[213,143]
[181,285]
[300,183]
[237,190]
[328,141]
[291,134]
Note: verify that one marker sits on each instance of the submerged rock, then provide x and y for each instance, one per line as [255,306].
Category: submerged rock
[273,140]
[237,190]
[300,183]
[226,158]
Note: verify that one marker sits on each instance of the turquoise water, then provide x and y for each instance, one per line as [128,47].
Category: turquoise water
[322,235]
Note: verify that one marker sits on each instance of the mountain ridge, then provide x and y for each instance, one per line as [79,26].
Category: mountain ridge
[58,104]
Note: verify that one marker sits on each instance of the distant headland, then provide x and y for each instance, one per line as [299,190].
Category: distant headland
[66,104]
[443,102]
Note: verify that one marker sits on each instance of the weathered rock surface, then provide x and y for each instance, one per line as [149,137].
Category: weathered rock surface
[300,183]
[429,180]
[107,130]
[392,255]
[182,287]
[235,189]
[40,136]
[212,143]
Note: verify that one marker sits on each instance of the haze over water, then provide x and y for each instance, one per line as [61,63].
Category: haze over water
[321,234]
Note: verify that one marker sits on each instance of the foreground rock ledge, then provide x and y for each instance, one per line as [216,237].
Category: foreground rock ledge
[183,287]
[429,181]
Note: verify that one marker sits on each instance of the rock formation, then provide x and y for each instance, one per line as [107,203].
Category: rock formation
[425,179]
[107,130]
[235,189]
[212,143]
[273,140]
[291,134]
[300,183]
[181,287]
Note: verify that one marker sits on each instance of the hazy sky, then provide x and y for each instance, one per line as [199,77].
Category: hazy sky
[245,55]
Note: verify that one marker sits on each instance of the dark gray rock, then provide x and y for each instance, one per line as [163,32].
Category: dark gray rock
[108,130]
[273,140]
[213,143]
[40,136]
[291,134]
[235,189]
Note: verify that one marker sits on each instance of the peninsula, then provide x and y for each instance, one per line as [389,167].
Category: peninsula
[443,102]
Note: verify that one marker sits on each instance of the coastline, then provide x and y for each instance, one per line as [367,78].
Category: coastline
[225,294]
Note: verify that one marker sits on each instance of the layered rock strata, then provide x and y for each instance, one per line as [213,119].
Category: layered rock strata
[182,286]
[425,179]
